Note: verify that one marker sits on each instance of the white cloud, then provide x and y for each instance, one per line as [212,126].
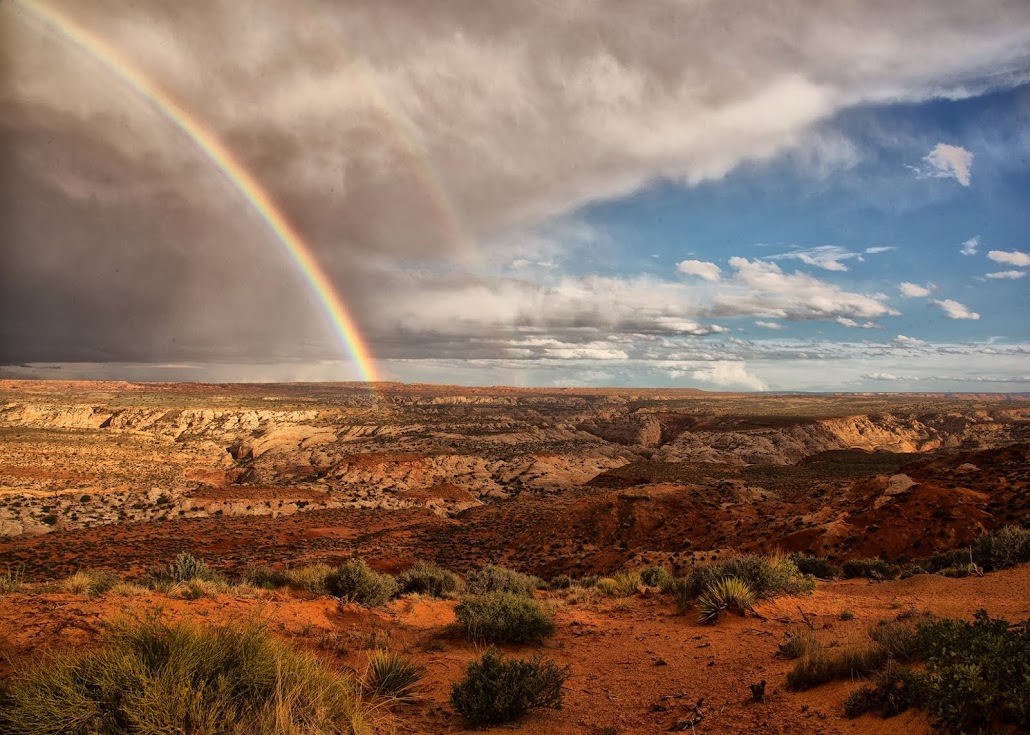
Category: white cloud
[1012,275]
[1014,257]
[881,376]
[955,310]
[912,290]
[729,374]
[879,249]
[844,321]
[769,325]
[700,268]
[827,257]
[766,291]
[949,162]
[969,247]
[903,341]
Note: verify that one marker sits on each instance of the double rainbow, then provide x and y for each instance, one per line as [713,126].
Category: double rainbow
[223,159]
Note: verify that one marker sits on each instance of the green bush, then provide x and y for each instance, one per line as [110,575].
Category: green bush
[894,690]
[265,578]
[152,677]
[392,676]
[1003,548]
[492,578]
[816,566]
[976,673]
[355,581]
[495,691]
[504,617]
[655,576]
[560,582]
[426,578]
[897,638]
[870,569]
[765,576]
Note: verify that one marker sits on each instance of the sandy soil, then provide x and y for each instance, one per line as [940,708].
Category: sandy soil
[638,666]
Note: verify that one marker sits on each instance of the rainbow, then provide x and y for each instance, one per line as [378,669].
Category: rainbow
[206,140]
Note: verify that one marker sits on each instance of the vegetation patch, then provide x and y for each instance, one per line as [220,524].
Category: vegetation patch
[355,581]
[876,569]
[392,676]
[426,578]
[728,594]
[503,617]
[495,691]
[153,677]
[493,578]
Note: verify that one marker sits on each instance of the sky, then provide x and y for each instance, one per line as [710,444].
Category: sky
[729,196]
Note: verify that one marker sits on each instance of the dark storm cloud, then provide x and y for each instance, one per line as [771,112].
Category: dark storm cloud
[392,130]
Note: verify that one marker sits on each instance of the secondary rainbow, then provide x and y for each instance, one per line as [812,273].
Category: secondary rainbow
[224,160]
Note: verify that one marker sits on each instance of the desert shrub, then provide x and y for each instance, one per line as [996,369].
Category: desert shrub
[816,566]
[894,690]
[153,677]
[496,691]
[427,578]
[587,581]
[682,591]
[870,569]
[355,581]
[729,593]
[185,568]
[607,586]
[946,560]
[10,580]
[313,578]
[89,582]
[766,576]
[392,676]
[1003,548]
[821,665]
[976,673]
[560,582]
[504,617]
[266,578]
[798,642]
[655,576]
[623,584]
[897,638]
[492,578]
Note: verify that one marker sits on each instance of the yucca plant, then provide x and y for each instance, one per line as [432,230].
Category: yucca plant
[728,593]
[392,676]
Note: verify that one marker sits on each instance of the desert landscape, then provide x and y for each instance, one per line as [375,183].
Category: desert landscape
[870,509]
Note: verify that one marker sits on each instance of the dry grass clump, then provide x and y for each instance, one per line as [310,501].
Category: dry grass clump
[392,676]
[820,665]
[150,676]
[10,580]
[88,582]
[621,584]
[798,642]
[726,594]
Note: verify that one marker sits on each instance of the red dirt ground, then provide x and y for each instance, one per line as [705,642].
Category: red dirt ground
[615,649]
